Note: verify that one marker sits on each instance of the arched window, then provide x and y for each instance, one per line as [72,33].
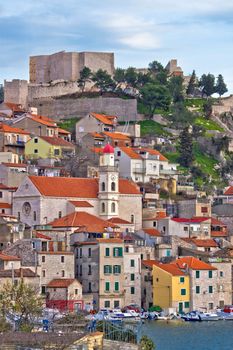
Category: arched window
[132,219]
[113,207]
[103,186]
[113,186]
[103,207]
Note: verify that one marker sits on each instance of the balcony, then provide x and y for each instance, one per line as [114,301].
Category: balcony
[139,170]
[17,143]
[168,172]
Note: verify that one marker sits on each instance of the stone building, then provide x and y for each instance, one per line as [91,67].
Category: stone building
[67,65]
[200,207]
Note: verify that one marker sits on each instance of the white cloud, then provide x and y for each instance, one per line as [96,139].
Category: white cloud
[143,41]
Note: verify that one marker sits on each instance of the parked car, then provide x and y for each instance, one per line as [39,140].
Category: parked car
[133,307]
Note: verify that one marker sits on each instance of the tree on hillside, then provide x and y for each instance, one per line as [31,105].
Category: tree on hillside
[207,84]
[155,97]
[192,84]
[119,75]
[181,116]
[143,79]
[20,300]
[176,88]
[131,76]
[103,81]
[207,108]
[220,87]
[185,148]
[85,76]
[158,72]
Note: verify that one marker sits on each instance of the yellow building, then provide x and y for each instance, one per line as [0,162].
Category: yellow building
[48,147]
[170,287]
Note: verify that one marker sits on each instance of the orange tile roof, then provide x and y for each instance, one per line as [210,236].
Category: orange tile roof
[42,121]
[22,272]
[5,205]
[42,236]
[77,187]
[97,135]
[192,263]
[90,222]
[97,150]
[15,165]
[205,243]
[229,191]
[6,257]
[12,130]
[14,107]
[56,141]
[117,136]
[81,204]
[130,153]
[105,119]
[119,221]
[215,233]
[60,283]
[156,153]
[216,222]
[110,240]
[172,269]
[150,263]
[63,131]
[152,232]
[43,117]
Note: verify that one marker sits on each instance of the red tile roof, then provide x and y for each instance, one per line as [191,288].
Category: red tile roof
[216,222]
[154,152]
[6,257]
[5,205]
[152,232]
[119,221]
[61,283]
[9,129]
[91,223]
[43,120]
[215,233]
[14,107]
[3,187]
[97,150]
[97,135]
[105,119]
[15,165]
[63,131]
[22,272]
[110,240]
[194,220]
[42,236]
[57,141]
[116,136]
[206,243]
[77,187]
[172,269]
[193,263]
[150,263]
[229,191]
[130,153]
[81,204]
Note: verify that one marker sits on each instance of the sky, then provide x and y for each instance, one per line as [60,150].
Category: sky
[199,34]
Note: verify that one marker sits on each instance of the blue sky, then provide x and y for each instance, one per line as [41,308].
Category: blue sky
[198,33]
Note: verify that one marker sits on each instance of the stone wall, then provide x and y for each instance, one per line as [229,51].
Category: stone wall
[53,89]
[67,107]
[16,91]
[225,105]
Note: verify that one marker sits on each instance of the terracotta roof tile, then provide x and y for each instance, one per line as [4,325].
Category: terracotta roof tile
[81,204]
[152,232]
[97,135]
[119,221]
[99,150]
[5,205]
[150,263]
[229,191]
[216,222]
[193,263]
[57,141]
[85,220]
[215,233]
[6,257]
[172,269]
[117,136]
[105,119]
[205,243]
[15,165]
[43,121]
[14,107]
[130,152]
[42,236]
[63,131]
[12,130]
[61,283]
[77,187]
[22,272]
[110,240]
[192,220]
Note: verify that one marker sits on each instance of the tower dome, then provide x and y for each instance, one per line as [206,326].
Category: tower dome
[108,149]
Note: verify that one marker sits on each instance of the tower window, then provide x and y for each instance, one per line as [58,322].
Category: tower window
[113,186]
[103,186]
[132,219]
[113,207]
[103,207]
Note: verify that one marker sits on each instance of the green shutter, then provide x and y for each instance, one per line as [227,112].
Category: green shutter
[186,304]
[107,286]
[116,286]
[117,269]
[197,289]
[210,274]
[132,263]
[118,251]
[132,289]
[183,291]
[107,269]
[181,279]
[197,274]
[132,277]
[210,289]
[107,252]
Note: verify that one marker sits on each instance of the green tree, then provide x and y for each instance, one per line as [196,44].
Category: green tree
[103,81]
[181,116]
[185,148]
[1,93]
[176,88]
[21,300]
[207,84]
[131,76]
[207,108]
[119,75]
[143,79]
[155,97]
[146,343]
[85,76]
[158,72]
[220,87]
[192,84]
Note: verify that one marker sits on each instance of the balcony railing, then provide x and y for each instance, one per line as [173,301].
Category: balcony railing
[139,170]
[17,143]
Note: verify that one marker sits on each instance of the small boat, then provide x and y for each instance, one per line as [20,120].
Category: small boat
[209,316]
[192,316]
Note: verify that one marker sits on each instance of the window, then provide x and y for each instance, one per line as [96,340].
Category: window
[113,207]
[197,274]
[204,209]
[80,270]
[43,273]
[168,252]
[107,269]
[103,186]
[43,289]
[35,150]
[43,258]
[113,186]
[59,214]
[132,263]
[106,303]
[132,277]
[18,215]
[221,273]
[107,251]
[211,306]
[210,274]
[210,289]
[132,219]
[3,211]
[117,269]
[186,228]
[34,215]
[62,259]
[62,273]
[76,291]
[35,140]
[116,287]
[89,252]
[117,252]
[89,269]
[107,286]
[181,279]
[116,304]
[81,253]
[132,290]
[89,287]
[197,289]
[103,207]
[154,223]
[0,194]
[186,304]
[118,153]
[56,152]
[183,291]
